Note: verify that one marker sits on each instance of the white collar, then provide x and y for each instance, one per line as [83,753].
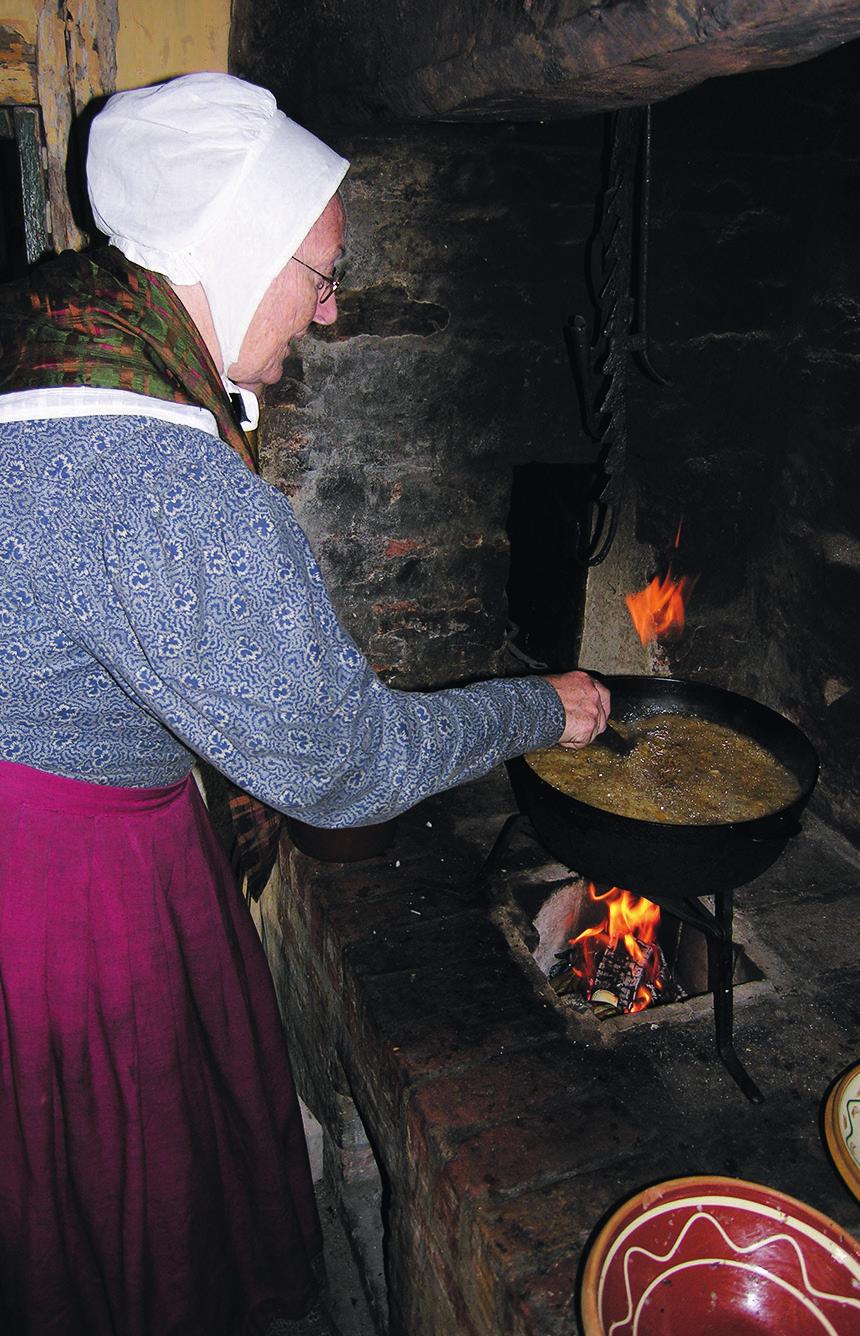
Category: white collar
[62,401]
[250,404]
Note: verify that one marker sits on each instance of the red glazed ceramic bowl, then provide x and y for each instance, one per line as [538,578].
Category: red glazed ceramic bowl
[842,1127]
[722,1257]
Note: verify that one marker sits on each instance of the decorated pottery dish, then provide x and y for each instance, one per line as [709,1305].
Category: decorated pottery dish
[842,1128]
[720,1256]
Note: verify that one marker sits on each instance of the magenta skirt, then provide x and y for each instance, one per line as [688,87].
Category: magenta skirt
[153,1173]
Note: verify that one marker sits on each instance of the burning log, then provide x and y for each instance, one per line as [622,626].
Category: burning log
[618,965]
[625,983]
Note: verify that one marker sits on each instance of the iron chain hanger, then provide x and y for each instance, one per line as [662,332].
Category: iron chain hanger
[618,272]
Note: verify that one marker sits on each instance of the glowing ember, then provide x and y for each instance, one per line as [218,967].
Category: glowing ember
[626,937]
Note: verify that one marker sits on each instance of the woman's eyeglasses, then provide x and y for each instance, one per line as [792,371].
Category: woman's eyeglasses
[327,285]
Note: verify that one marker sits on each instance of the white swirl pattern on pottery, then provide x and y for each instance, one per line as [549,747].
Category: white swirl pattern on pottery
[851,1126]
[703,1216]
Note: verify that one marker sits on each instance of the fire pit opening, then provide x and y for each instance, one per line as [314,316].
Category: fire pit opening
[608,951]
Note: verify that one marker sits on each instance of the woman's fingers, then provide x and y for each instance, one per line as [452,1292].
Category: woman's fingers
[586,704]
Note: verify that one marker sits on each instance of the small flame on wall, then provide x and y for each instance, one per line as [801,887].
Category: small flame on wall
[659,610]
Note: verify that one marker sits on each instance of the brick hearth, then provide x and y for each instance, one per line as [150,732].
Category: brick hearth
[504,1128]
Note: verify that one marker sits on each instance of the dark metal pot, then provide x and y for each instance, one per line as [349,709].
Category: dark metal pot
[664,862]
[352,844]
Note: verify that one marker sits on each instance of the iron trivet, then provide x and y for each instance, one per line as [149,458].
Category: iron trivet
[716,926]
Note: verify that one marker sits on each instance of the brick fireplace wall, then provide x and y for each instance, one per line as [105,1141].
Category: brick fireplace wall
[399,435]
[756,316]
[395,431]
[402,432]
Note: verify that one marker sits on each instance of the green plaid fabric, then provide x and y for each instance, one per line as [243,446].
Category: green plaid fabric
[99,320]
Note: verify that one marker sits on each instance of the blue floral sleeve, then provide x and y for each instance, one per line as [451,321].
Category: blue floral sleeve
[189,578]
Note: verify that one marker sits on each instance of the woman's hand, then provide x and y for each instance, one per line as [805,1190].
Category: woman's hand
[586,707]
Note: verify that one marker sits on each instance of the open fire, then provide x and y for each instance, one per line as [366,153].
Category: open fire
[658,611]
[616,965]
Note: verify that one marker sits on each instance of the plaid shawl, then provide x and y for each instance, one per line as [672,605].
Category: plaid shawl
[100,320]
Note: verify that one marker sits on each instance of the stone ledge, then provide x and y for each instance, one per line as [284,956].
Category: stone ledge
[527,61]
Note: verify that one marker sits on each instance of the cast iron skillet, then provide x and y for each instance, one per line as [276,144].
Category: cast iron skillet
[668,862]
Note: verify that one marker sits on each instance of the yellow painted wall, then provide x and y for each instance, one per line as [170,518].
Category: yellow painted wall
[160,38]
[18,53]
[61,56]
[22,15]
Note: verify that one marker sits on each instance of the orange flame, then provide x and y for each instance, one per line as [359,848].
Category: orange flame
[658,610]
[630,919]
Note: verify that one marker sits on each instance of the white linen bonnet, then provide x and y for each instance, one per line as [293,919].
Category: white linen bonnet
[204,180]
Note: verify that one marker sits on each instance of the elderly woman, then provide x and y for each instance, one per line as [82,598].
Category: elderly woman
[159,604]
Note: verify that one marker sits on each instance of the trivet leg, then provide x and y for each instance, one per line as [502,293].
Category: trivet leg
[721,956]
[493,861]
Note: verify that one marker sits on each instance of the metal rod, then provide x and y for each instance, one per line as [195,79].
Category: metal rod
[618,264]
[474,888]
[692,911]
[640,342]
[721,963]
